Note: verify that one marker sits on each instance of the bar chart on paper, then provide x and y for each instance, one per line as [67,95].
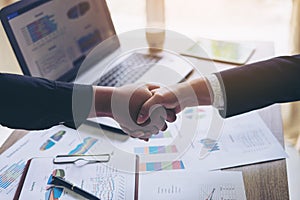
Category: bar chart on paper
[161,166]
[156,149]
[11,174]
[169,190]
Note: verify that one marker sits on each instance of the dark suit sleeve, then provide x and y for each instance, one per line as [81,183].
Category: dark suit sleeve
[35,103]
[260,84]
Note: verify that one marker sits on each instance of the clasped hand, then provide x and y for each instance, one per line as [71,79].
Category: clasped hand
[126,104]
[150,106]
[143,110]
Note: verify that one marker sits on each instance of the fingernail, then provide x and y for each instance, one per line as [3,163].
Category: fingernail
[140,135]
[140,118]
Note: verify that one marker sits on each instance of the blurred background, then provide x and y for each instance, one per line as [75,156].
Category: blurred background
[275,21]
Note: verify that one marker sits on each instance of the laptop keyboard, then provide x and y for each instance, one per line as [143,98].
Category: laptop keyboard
[129,70]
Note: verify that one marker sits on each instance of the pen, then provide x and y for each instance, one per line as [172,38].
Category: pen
[57,181]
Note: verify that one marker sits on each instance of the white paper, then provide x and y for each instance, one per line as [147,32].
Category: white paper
[101,180]
[191,185]
[39,144]
[244,140]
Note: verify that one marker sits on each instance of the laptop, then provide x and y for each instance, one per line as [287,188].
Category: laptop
[52,38]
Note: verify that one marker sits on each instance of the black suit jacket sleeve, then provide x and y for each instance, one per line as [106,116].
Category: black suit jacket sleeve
[36,103]
[260,84]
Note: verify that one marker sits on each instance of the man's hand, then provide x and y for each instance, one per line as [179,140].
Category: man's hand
[124,103]
[175,98]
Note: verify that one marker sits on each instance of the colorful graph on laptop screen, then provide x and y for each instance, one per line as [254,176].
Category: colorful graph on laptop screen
[40,28]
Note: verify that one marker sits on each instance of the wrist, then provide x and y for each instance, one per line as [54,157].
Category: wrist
[202,91]
[101,106]
[193,93]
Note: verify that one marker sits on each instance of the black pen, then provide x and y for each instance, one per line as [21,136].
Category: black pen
[57,181]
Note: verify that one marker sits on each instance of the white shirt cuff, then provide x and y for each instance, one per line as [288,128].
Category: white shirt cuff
[216,91]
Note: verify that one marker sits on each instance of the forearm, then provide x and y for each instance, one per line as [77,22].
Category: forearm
[34,103]
[260,84]
[250,87]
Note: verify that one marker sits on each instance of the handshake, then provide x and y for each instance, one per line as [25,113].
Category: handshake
[143,110]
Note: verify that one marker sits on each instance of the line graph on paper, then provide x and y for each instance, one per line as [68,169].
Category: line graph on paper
[107,184]
[107,187]
[220,192]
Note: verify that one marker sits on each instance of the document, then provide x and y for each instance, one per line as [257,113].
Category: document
[192,185]
[108,183]
[55,141]
[99,179]
[244,139]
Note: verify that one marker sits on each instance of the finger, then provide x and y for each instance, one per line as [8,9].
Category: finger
[157,123]
[146,137]
[154,131]
[137,134]
[144,111]
[164,127]
[154,91]
[178,109]
[171,115]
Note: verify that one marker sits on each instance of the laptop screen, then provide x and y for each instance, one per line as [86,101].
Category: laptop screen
[52,37]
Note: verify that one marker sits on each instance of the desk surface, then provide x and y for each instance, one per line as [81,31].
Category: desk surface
[266,180]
